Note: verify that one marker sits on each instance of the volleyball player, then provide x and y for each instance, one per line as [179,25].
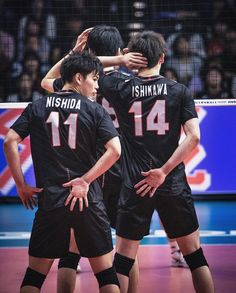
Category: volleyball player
[151,110]
[102,41]
[64,129]
[106,41]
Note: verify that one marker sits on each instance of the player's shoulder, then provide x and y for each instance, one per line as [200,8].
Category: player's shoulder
[93,105]
[120,75]
[175,86]
[37,103]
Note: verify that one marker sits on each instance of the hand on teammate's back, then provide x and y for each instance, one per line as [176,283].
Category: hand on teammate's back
[79,191]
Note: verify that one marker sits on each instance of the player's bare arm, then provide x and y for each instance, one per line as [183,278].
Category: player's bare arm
[155,177]
[80,186]
[25,191]
[54,72]
[82,40]
[130,60]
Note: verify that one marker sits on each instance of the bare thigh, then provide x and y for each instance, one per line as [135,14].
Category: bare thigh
[189,243]
[41,265]
[101,263]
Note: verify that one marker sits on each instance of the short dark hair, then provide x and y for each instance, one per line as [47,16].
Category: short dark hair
[104,40]
[79,63]
[150,44]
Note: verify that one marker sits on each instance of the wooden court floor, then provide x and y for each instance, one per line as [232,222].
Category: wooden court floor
[218,236]
[156,275]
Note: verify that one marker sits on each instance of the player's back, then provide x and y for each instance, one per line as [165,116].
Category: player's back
[64,134]
[113,175]
[150,112]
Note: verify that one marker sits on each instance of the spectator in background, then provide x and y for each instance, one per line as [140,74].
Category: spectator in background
[170,73]
[183,61]
[34,40]
[33,43]
[46,20]
[195,38]
[7,45]
[229,60]
[233,87]
[73,26]
[177,14]
[7,53]
[214,85]
[55,54]
[221,9]
[32,65]
[216,41]
[196,84]
[25,92]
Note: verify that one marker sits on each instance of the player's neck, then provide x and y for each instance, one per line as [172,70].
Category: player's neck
[69,87]
[144,72]
[109,68]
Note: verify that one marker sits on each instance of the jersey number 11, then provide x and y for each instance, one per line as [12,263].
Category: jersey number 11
[53,118]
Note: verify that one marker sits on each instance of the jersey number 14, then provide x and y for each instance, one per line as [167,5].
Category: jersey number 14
[155,121]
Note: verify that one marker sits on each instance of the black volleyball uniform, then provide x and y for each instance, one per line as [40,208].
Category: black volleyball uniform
[64,129]
[151,112]
[111,180]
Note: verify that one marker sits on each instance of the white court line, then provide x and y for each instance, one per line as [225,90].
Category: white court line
[146,245]
[14,235]
[156,234]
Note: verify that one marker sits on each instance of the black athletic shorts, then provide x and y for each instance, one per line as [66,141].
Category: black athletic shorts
[176,211]
[111,193]
[50,235]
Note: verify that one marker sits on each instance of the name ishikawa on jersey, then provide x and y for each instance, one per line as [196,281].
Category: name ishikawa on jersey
[150,113]
[64,129]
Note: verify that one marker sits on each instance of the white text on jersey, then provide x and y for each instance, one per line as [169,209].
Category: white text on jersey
[139,91]
[63,103]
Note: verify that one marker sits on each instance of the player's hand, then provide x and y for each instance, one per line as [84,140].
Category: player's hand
[134,60]
[28,195]
[153,179]
[82,40]
[79,191]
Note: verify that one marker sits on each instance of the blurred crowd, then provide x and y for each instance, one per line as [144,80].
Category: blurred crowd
[201,40]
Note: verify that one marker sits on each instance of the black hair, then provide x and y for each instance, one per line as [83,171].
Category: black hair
[176,44]
[79,63]
[33,19]
[215,68]
[19,78]
[104,40]
[31,55]
[172,70]
[150,44]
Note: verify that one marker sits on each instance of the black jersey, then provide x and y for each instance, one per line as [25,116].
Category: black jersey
[64,129]
[150,112]
[113,174]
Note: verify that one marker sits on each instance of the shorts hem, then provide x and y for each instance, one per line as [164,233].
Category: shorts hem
[173,236]
[47,256]
[97,254]
[130,238]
